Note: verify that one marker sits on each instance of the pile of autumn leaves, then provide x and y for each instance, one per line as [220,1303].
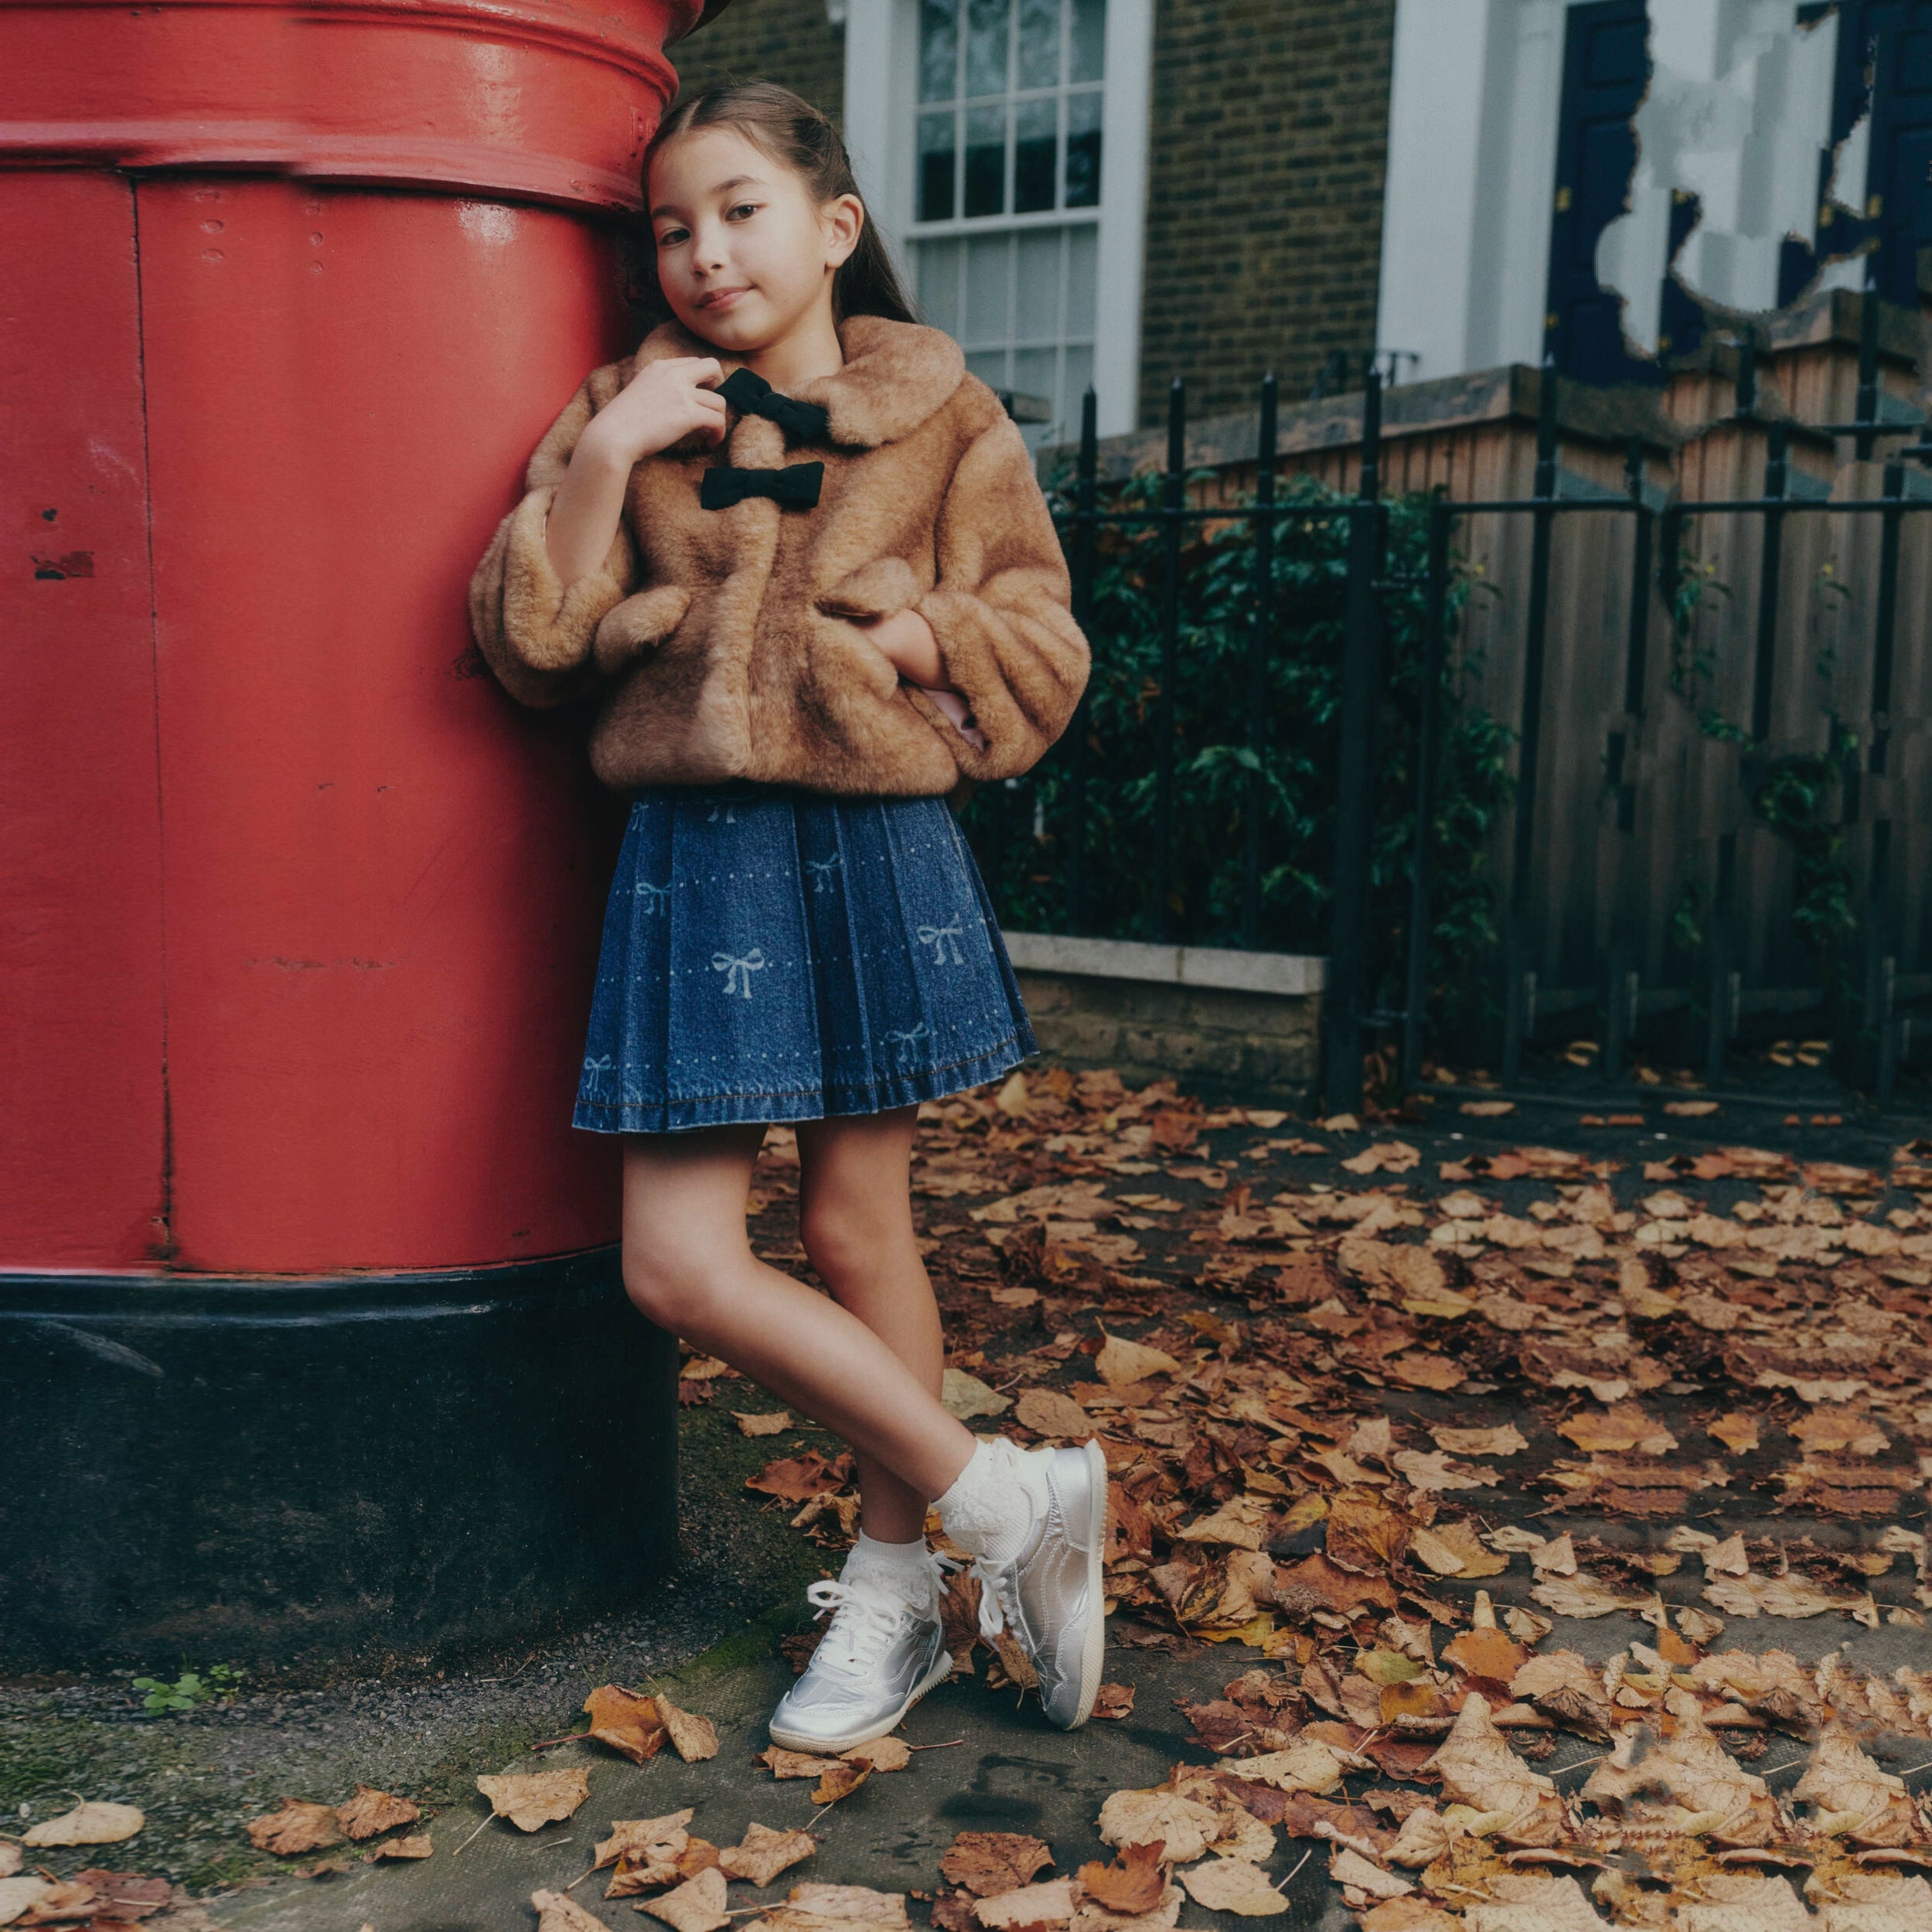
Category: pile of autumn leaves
[1670,1829]
[97,1899]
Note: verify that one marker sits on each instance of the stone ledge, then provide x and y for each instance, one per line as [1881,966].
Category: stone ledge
[1294,974]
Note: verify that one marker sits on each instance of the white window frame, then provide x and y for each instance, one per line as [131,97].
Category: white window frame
[1474,105]
[882,103]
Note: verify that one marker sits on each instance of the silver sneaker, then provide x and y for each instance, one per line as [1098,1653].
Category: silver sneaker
[1050,1596]
[880,1654]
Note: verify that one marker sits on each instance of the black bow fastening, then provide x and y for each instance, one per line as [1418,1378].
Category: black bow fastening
[796,483]
[745,389]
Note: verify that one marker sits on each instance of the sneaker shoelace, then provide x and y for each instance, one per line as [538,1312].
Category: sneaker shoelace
[865,1618]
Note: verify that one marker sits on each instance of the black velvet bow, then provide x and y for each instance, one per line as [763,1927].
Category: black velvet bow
[745,389]
[796,483]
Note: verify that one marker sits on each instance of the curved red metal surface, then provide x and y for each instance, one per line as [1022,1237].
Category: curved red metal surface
[297,936]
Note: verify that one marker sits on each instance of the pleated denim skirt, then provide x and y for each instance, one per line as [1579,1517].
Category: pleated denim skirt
[775,954]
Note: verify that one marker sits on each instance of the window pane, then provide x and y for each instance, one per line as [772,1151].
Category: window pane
[986,160]
[1083,248]
[938,50]
[989,283]
[938,266]
[1036,304]
[1083,150]
[1033,372]
[936,167]
[986,46]
[1089,38]
[1033,154]
[990,367]
[1039,43]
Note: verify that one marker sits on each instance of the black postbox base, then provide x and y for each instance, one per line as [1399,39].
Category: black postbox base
[301,1476]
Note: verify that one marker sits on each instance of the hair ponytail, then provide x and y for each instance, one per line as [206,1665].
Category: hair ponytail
[799,136]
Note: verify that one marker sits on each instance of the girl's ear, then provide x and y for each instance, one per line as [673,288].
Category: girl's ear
[844,217]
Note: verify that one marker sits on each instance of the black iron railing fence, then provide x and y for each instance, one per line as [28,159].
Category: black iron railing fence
[1373,993]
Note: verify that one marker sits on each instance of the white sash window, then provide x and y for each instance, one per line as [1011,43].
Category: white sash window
[1001,143]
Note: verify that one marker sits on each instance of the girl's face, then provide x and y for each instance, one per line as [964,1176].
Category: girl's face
[744,256]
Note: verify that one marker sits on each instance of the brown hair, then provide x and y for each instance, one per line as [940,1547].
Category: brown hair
[798,136]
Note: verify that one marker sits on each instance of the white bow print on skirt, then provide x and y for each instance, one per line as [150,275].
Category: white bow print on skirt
[939,938]
[737,971]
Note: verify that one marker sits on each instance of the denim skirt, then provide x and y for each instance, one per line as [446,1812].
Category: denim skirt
[775,954]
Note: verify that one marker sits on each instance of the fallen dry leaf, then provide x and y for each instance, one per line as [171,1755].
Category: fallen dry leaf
[298,1827]
[1233,1885]
[1135,1883]
[1114,1700]
[625,1722]
[698,1905]
[1051,1903]
[839,1780]
[770,1422]
[765,1853]
[1122,1363]
[531,1799]
[93,1822]
[1140,1817]
[646,1841]
[855,1904]
[1354,1873]
[881,1754]
[370,1812]
[17,1894]
[988,1863]
[1051,1413]
[797,1479]
[965,1396]
[1623,1427]
[1478,1768]
[784,1763]
[1738,1434]
[417,1846]
[558,1912]
[1507,1439]
[694,1738]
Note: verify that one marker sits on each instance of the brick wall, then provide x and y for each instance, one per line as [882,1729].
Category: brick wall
[791,41]
[1267,148]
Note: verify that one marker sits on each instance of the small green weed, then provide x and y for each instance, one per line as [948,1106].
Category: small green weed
[189,1690]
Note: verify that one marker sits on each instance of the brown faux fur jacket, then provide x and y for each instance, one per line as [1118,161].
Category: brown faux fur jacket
[718,638]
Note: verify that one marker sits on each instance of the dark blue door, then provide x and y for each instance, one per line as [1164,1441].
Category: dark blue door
[1884,63]
[1605,70]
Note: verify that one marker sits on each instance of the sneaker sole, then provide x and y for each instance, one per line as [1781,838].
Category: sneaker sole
[1094,1649]
[821,1746]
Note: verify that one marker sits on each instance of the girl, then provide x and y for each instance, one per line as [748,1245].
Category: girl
[797,661]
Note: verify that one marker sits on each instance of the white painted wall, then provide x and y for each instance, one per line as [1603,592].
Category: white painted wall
[1739,111]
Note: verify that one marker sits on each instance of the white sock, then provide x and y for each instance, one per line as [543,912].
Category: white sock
[906,1567]
[995,1501]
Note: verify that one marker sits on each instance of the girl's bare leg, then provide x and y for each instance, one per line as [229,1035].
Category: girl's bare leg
[855,1219]
[688,1265]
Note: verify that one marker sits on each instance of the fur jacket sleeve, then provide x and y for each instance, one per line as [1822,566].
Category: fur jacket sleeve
[535,632]
[719,642]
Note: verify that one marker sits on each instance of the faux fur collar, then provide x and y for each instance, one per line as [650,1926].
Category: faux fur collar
[896,374]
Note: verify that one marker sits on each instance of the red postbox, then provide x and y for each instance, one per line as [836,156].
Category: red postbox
[312,1338]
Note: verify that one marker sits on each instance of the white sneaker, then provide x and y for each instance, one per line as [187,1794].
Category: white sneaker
[1044,1583]
[880,1654]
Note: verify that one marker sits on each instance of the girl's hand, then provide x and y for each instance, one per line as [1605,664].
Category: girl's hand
[665,400]
[907,640]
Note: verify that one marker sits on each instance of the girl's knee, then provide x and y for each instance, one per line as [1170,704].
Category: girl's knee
[845,1240]
[677,1289]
